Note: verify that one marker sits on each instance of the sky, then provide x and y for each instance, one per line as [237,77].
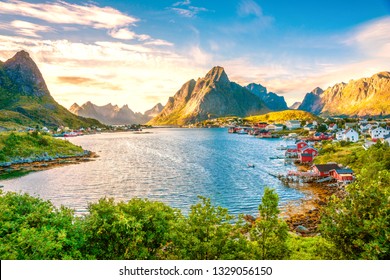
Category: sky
[140,52]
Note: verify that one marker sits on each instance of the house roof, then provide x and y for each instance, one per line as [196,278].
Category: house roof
[306,155]
[308,147]
[326,167]
[344,171]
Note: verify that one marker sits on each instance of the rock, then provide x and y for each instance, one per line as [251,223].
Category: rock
[249,218]
[301,229]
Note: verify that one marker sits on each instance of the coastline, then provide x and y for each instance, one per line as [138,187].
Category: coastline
[303,217]
[17,169]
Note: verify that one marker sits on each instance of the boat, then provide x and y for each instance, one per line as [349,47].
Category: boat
[277,157]
[251,165]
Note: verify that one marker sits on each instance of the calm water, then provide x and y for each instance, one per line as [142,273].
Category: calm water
[169,165]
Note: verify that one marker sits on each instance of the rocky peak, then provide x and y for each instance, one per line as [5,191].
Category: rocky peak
[154,111]
[23,71]
[74,108]
[317,91]
[217,74]
[257,89]
[381,75]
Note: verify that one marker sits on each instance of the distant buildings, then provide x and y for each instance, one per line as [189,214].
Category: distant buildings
[349,135]
[293,124]
[379,133]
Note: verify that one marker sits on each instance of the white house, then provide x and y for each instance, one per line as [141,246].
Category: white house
[279,127]
[379,133]
[365,127]
[339,135]
[270,127]
[293,124]
[348,135]
[333,127]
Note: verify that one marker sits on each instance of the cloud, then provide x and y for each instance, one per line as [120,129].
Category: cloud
[159,42]
[61,12]
[372,38]
[26,28]
[187,10]
[249,7]
[114,72]
[182,3]
[87,82]
[122,33]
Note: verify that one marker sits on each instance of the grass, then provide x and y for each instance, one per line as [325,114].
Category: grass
[348,154]
[13,145]
[282,116]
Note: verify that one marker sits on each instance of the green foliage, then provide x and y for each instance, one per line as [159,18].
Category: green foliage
[322,128]
[269,231]
[33,229]
[376,158]
[13,145]
[132,230]
[311,248]
[207,234]
[283,116]
[359,224]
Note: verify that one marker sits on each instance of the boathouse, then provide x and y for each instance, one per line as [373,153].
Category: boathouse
[309,150]
[301,145]
[305,158]
[323,170]
[342,175]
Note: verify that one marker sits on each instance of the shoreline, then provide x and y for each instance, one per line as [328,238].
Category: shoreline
[23,168]
[303,217]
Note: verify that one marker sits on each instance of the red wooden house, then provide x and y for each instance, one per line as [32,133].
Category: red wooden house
[342,175]
[309,150]
[323,170]
[301,145]
[305,158]
[261,125]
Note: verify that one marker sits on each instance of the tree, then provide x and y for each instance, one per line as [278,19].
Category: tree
[207,234]
[322,128]
[133,230]
[33,229]
[359,224]
[269,232]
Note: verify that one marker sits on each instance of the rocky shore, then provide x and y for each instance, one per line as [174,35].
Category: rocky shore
[303,217]
[43,162]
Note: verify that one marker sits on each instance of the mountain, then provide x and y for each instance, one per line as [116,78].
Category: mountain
[209,97]
[114,115]
[295,106]
[270,99]
[363,97]
[26,101]
[154,111]
[312,102]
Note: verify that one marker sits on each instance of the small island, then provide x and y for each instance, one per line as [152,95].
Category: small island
[24,152]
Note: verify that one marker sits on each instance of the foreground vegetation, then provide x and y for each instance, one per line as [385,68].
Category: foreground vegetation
[353,226]
[26,145]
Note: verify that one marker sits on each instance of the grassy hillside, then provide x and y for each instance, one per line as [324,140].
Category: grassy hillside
[25,145]
[282,116]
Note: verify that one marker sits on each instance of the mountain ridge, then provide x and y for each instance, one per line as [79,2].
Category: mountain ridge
[271,100]
[113,114]
[368,96]
[212,96]
[23,91]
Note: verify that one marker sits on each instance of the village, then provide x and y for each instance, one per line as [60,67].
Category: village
[308,138]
